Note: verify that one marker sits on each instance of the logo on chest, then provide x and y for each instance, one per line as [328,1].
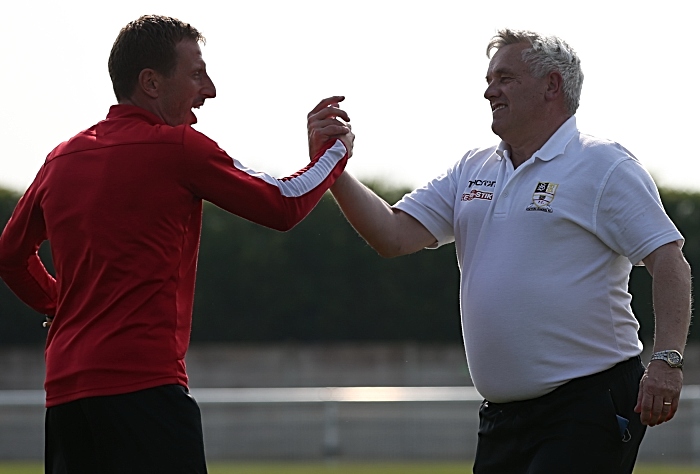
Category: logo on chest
[543,197]
[476,194]
[482,182]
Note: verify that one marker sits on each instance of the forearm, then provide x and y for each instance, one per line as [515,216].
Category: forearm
[660,387]
[259,197]
[672,300]
[387,230]
[32,284]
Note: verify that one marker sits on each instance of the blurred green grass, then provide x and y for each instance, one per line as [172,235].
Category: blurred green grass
[345,468]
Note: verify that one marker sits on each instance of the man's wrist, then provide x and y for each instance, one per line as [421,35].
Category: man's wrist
[672,357]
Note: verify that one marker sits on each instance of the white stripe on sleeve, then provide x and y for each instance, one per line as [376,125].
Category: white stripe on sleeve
[307,181]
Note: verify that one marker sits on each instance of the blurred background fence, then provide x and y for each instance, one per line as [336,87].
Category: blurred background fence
[287,403]
[344,423]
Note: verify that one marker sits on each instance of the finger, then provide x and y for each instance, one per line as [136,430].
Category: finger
[329,130]
[349,141]
[655,411]
[672,409]
[319,124]
[659,411]
[328,113]
[327,102]
[638,406]
[645,414]
[643,406]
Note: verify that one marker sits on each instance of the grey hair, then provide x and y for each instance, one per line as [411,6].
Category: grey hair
[546,54]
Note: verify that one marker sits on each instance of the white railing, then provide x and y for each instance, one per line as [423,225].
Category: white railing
[292,395]
[352,422]
[313,395]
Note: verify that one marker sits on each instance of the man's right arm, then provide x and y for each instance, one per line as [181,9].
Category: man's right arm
[277,203]
[389,231]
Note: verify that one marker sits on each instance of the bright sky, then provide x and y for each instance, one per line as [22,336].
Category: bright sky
[413,74]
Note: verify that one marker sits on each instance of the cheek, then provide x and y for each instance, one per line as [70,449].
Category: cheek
[183,103]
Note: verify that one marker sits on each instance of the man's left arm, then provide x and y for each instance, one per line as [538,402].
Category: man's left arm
[661,383]
[20,266]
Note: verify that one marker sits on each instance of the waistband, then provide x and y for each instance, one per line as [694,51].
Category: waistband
[614,372]
[583,383]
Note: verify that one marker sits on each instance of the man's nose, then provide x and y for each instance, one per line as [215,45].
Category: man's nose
[490,91]
[209,90]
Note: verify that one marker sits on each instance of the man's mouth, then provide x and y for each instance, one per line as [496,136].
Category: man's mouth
[496,108]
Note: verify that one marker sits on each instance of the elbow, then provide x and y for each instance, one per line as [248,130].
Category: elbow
[287,226]
[283,226]
[389,250]
[285,221]
[682,266]
[399,244]
[687,270]
[386,254]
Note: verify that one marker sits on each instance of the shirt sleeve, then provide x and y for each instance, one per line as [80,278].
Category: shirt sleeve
[630,217]
[20,266]
[433,206]
[258,197]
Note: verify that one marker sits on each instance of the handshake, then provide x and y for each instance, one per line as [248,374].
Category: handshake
[327,122]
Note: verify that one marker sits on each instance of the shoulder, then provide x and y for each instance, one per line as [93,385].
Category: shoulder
[480,155]
[477,166]
[195,141]
[602,148]
[476,159]
[599,158]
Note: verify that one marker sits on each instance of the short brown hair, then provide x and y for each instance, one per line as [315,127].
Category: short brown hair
[148,42]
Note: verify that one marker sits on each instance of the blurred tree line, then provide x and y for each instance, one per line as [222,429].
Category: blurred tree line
[321,283]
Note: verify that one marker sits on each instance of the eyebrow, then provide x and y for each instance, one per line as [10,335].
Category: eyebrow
[501,71]
[199,65]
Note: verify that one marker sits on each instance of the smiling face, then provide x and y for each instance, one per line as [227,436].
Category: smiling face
[186,87]
[517,98]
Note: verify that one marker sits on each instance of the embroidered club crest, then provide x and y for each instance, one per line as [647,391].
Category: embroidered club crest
[543,197]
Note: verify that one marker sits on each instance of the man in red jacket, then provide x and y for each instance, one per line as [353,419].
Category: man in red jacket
[121,204]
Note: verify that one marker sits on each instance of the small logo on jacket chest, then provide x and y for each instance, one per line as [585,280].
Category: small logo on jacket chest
[543,197]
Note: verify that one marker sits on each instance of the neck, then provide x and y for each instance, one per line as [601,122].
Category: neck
[145,103]
[523,149]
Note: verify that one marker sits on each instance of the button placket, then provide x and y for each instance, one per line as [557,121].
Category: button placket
[502,204]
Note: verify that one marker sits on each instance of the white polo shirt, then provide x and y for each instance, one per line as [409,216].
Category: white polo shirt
[545,253]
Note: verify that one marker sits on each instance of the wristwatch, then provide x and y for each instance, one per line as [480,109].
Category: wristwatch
[672,358]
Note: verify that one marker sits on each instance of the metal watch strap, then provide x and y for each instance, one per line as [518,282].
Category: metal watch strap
[672,357]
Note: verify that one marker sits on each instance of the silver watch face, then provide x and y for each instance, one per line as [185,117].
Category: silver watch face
[674,358]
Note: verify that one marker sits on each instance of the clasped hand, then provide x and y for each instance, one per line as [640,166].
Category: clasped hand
[328,122]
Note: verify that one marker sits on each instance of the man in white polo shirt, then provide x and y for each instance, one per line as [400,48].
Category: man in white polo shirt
[547,226]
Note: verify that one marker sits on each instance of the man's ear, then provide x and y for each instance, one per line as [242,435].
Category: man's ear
[555,85]
[149,82]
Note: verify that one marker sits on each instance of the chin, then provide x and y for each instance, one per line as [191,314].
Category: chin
[500,127]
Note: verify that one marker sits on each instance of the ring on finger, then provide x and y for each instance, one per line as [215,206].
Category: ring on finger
[667,404]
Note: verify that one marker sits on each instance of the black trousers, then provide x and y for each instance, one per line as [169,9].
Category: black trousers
[579,428]
[145,432]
